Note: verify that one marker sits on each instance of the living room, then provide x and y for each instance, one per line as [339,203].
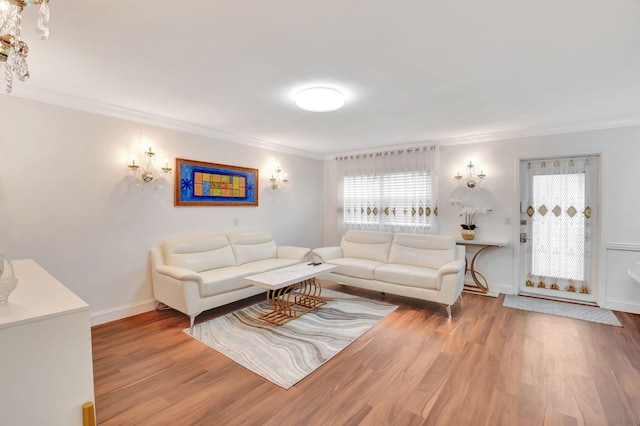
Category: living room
[70,203]
[86,217]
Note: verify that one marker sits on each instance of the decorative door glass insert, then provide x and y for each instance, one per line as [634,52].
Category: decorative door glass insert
[558,244]
[558,200]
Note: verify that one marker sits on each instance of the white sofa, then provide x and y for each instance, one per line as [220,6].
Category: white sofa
[196,273]
[428,267]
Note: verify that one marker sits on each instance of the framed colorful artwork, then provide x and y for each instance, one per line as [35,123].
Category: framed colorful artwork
[207,184]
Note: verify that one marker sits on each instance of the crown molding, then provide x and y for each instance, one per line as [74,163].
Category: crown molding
[87,105]
[523,133]
[552,129]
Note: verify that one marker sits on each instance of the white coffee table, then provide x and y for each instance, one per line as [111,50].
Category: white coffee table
[292,291]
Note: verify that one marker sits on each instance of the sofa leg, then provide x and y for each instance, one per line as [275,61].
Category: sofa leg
[192,320]
[161,306]
[449,310]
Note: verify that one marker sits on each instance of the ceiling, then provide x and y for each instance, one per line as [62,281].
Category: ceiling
[412,71]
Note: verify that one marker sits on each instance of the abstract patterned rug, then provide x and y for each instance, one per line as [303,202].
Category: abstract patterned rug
[562,309]
[286,354]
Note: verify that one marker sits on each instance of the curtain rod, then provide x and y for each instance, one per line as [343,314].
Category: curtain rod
[399,151]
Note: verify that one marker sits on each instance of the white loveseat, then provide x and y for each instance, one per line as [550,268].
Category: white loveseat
[196,273]
[428,267]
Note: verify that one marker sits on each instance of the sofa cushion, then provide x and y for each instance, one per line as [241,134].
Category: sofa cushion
[267,265]
[199,253]
[222,280]
[429,251]
[354,267]
[413,276]
[367,245]
[252,246]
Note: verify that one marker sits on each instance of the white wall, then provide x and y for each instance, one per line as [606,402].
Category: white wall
[67,202]
[620,237]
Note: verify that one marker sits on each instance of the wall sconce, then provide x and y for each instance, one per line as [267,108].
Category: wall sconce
[471,180]
[148,173]
[279,179]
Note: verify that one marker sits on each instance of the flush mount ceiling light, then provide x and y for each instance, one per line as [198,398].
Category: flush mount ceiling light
[320,99]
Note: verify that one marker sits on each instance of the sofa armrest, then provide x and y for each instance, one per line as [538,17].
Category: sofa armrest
[290,252]
[179,273]
[324,254]
[454,267]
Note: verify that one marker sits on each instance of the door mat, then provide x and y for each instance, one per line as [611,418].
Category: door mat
[562,309]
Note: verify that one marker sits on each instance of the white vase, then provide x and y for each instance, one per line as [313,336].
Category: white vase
[8,281]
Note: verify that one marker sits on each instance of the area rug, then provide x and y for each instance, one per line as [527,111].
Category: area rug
[286,354]
[562,309]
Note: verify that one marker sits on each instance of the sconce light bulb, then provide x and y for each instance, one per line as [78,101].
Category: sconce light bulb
[133,167]
[150,154]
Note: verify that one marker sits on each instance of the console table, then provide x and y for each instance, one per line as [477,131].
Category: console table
[480,284]
[45,351]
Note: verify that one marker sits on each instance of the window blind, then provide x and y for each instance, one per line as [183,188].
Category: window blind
[402,199]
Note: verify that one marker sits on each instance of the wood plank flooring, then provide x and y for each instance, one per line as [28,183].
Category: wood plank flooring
[489,365]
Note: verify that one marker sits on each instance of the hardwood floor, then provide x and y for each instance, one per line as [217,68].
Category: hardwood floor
[489,365]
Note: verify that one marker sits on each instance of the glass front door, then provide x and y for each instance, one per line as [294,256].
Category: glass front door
[557,227]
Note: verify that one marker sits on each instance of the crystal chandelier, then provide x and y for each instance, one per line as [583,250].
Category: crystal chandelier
[13,50]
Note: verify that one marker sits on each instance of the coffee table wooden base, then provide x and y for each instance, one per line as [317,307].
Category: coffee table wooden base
[293,301]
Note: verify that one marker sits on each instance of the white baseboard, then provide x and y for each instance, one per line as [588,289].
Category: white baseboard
[121,312]
[490,293]
[622,306]
[507,289]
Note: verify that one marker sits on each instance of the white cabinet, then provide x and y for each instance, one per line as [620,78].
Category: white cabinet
[46,368]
